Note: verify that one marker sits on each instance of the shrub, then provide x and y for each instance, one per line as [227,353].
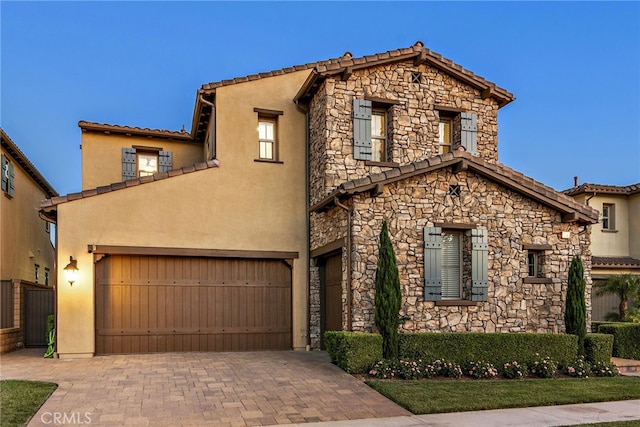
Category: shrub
[626,339]
[598,347]
[514,370]
[496,348]
[595,325]
[604,369]
[575,314]
[579,368]
[354,352]
[449,369]
[480,369]
[384,369]
[388,297]
[543,367]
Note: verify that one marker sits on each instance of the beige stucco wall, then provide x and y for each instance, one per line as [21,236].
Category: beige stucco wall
[241,205]
[102,155]
[611,243]
[24,241]
[634,225]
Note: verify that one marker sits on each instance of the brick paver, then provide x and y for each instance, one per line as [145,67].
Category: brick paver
[196,389]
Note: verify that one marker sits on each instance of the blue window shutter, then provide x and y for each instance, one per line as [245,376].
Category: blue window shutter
[432,263]
[469,134]
[12,180]
[5,174]
[128,163]
[479,250]
[362,129]
[165,161]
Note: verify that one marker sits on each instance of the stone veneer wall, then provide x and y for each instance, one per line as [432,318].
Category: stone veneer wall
[511,220]
[414,120]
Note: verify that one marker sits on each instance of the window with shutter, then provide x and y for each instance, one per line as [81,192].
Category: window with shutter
[128,163]
[469,132]
[451,264]
[362,112]
[479,266]
[432,263]
[165,160]
[5,174]
[12,180]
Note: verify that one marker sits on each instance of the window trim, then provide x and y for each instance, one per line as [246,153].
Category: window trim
[610,217]
[270,116]
[445,120]
[149,153]
[380,112]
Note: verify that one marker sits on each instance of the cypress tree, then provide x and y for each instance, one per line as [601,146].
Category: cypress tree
[575,315]
[388,297]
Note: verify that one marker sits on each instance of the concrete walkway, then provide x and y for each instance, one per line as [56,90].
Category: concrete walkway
[197,389]
[247,389]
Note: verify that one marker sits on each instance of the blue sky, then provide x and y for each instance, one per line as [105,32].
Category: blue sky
[574,68]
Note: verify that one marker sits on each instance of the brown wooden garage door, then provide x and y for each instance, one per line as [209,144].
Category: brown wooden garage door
[164,303]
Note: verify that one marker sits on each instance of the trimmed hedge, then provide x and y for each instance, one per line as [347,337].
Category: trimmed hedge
[354,352]
[596,325]
[598,348]
[497,348]
[626,339]
[357,352]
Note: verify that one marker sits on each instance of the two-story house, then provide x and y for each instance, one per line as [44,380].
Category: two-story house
[615,239]
[258,229]
[27,255]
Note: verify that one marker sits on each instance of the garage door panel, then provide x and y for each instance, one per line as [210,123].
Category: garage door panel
[151,304]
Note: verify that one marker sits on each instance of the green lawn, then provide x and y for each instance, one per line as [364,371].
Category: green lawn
[430,397]
[20,400]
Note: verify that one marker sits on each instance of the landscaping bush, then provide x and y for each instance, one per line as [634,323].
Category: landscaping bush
[598,348]
[354,352]
[604,369]
[626,339]
[497,349]
[595,325]
[543,367]
[480,370]
[514,370]
[579,368]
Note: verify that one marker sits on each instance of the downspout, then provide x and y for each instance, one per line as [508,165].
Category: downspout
[349,266]
[307,199]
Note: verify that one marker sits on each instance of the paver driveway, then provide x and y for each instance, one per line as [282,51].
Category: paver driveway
[221,389]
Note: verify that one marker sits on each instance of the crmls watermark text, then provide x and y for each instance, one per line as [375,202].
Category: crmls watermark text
[66,418]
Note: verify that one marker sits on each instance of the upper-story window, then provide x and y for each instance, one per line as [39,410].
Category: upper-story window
[608,216]
[445,135]
[147,163]
[457,129]
[8,177]
[371,136]
[139,161]
[267,138]
[378,135]
[268,144]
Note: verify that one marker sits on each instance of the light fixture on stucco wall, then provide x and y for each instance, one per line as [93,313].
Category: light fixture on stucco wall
[71,271]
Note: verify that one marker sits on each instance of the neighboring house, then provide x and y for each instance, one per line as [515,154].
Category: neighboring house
[615,239]
[258,229]
[27,256]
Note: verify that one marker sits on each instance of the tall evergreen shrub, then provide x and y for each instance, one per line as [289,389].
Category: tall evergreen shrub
[575,315]
[388,297]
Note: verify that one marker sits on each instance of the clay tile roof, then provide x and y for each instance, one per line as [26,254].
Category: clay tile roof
[620,262]
[499,173]
[134,131]
[586,188]
[50,204]
[337,65]
[21,159]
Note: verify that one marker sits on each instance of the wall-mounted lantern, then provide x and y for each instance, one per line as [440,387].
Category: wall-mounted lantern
[71,270]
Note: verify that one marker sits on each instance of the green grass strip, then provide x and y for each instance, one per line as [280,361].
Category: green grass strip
[431,397]
[20,400]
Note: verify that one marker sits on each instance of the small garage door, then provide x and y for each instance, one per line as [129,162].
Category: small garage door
[165,303]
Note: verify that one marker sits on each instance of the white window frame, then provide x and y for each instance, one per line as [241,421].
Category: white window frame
[141,154]
[447,291]
[442,143]
[608,216]
[267,148]
[379,142]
